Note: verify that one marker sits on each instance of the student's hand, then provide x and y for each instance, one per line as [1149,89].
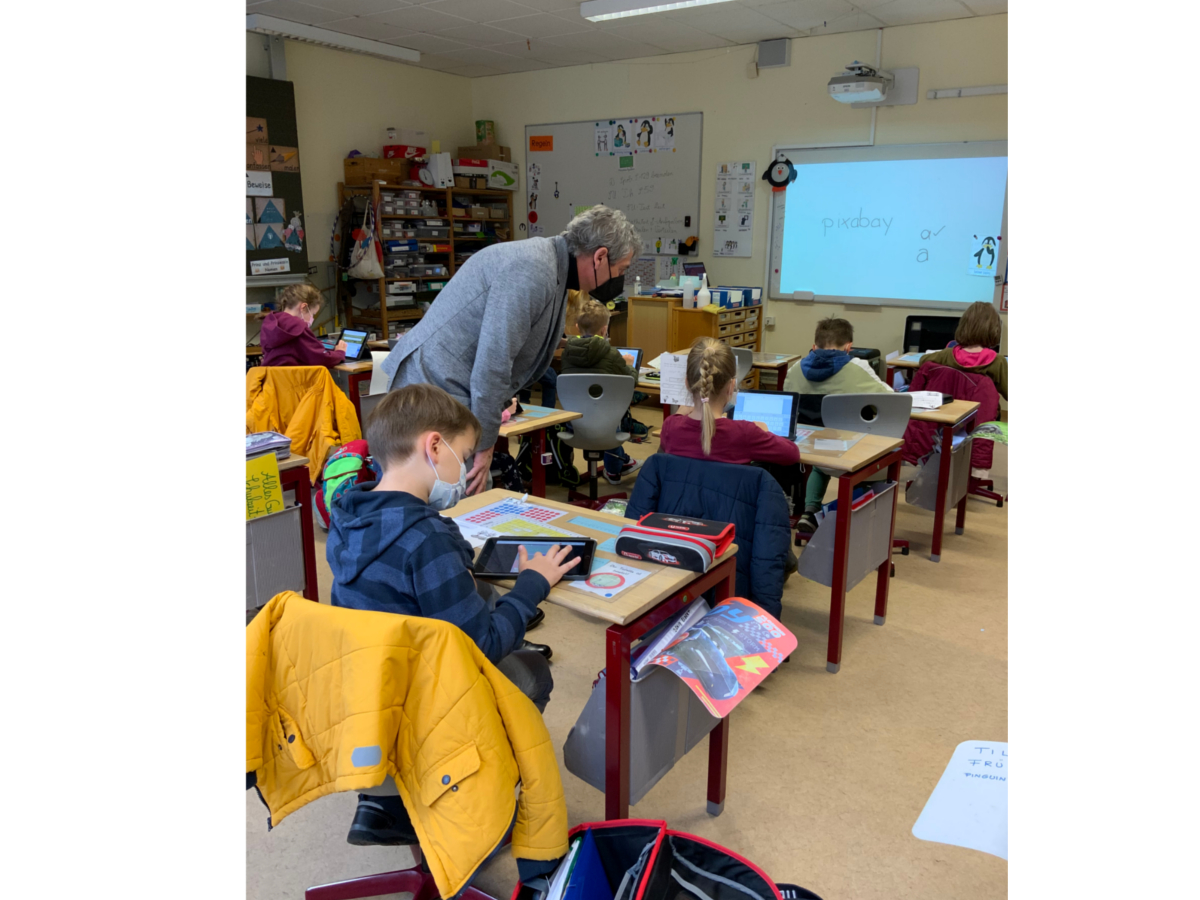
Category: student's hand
[628,357]
[477,477]
[340,345]
[512,407]
[549,565]
[762,425]
[562,344]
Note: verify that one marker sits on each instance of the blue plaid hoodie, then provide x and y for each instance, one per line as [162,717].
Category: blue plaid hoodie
[392,552]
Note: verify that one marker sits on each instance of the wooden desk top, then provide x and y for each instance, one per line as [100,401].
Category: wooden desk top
[292,462]
[358,365]
[867,450]
[775,360]
[899,363]
[377,345]
[950,414]
[653,388]
[626,606]
[526,425]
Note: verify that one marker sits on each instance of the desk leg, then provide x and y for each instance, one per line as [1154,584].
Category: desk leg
[960,520]
[939,512]
[537,486]
[666,410]
[616,725]
[780,376]
[890,375]
[883,579]
[841,562]
[303,488]
[718,738]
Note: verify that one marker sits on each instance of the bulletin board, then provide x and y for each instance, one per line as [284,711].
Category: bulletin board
[275,226]
[646,166]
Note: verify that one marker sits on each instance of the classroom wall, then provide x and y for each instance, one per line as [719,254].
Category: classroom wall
[744,117]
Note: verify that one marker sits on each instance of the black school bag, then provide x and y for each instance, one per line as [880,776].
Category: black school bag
[561,469]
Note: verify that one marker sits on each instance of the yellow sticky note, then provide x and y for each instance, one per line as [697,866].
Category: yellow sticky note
[437,147]
[264,493]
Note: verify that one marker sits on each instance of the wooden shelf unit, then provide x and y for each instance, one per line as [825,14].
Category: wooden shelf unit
[444,198]
[740,327]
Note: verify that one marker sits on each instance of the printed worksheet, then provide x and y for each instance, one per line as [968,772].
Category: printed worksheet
[608,579]
[673,383]
[511,518]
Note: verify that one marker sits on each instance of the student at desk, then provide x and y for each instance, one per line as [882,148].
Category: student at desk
[391,551]
[977,332]
[286,337]
[702,431]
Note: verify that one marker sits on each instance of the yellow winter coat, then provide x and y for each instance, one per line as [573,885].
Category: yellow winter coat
[304,403]
[337,699]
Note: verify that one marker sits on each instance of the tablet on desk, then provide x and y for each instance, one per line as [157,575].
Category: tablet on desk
[776,409]
[500,557]
[356,344]
[635,353]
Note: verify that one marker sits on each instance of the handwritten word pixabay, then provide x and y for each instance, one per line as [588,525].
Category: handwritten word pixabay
[859,221]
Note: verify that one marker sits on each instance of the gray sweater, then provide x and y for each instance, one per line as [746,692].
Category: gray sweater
[492,331]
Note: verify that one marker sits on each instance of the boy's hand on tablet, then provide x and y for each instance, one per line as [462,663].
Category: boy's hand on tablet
[762,425]
[340,345]
[549,565]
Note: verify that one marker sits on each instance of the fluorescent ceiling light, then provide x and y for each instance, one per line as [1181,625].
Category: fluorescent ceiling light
[297,32]
[600,10]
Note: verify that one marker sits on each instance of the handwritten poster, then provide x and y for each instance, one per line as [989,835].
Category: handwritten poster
[264,493]
[733,224]
[969,806]
[673,383]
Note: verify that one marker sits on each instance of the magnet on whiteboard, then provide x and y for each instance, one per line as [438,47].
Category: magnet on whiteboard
[802,295]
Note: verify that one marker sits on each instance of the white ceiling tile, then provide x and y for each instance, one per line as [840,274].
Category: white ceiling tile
[478,10]
[522,65]
[805,14]
[856,21]
[295,12]
[477,34]
[474,71]
[473,56]
[539,26]
[913,12]
[518,48]
[552,5]
[366,28]
[740,25]
[986,7]
[602,43]
[428,43]
[674,37]
[418,18]
[360,7]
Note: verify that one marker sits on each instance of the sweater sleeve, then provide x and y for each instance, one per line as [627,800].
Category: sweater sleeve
[866,367]
[762,446]
[1002,383]
[445,589]
[313,353]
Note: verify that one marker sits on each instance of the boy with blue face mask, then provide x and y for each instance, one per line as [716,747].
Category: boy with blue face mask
[391,551]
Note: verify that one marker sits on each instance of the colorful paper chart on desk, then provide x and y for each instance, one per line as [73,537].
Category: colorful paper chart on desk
[510,518]
[609,579]
[536,412]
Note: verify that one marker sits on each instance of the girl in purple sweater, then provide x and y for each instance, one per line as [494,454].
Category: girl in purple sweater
[286,337]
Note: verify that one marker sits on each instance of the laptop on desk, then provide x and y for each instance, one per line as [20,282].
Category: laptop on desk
[775,409]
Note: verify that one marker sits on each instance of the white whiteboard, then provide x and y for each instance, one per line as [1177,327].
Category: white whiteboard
[608,161]
[899,225]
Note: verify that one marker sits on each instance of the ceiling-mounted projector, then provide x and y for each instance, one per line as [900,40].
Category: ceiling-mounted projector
[860,84]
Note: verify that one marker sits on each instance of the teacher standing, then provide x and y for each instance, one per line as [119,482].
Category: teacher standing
[495,326]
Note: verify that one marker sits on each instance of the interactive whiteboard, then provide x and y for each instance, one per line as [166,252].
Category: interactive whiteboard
[646,166]
[917,225]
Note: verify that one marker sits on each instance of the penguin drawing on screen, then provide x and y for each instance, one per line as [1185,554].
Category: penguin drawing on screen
[670,123]
[644,133]
[988,247]
[620,140]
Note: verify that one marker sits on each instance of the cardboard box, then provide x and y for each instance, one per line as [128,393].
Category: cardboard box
[486,151]
[364,170]
[403,151]
[469,166]
[462,181]
[479,212]
[502,176]
[499,212]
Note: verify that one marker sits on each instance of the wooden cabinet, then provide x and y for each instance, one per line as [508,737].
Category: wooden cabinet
[648,325]
[735,327]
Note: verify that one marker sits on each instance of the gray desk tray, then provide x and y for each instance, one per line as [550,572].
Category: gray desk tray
[870,540]
[922,491]
[666,720]
[274,556]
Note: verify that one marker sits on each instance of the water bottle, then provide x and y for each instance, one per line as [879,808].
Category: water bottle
[637,286]
[703,296]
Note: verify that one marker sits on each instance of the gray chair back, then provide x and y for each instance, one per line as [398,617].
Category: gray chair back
[745,360]
[602,413]
[884,414]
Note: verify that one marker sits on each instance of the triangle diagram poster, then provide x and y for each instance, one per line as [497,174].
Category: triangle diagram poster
[270,209]
[268,236]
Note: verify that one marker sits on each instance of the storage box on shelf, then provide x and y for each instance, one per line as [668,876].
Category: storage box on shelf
[736,327]
[422,241]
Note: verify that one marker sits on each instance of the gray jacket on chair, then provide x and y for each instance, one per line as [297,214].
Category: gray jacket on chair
[492,330]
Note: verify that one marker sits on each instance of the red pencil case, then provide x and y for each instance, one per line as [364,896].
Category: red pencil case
[680,541]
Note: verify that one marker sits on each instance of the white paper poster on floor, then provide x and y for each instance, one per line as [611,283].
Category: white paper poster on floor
[733,216]
[969,806]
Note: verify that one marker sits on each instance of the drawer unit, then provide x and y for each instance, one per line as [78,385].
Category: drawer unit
[724,331]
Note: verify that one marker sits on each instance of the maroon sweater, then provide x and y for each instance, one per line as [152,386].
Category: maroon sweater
[733,442]
[286,341]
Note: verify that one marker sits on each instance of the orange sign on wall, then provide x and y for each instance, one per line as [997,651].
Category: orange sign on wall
[542,142]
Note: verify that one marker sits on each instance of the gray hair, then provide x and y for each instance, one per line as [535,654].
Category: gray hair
[599,227]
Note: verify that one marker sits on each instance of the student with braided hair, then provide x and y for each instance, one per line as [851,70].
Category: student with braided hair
[701,431]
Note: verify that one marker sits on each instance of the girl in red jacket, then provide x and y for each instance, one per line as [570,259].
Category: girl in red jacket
[703,432]
[285,337]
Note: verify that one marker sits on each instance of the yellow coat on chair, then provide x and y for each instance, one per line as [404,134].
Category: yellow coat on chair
[337,699]
[304,403]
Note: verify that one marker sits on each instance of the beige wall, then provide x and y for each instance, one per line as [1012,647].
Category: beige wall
[745,117]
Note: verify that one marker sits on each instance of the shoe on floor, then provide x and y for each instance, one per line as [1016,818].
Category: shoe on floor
[543,649]
[538,618]
[807,523]
[374,826]
[790,566]
[630,467]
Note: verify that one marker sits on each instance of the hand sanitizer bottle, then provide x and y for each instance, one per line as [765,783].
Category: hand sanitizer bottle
[637,286]
[703,296]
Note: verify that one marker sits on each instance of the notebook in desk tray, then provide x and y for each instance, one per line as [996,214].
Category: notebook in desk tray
[679,541]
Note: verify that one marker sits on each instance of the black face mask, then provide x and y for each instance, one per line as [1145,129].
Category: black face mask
[611,289]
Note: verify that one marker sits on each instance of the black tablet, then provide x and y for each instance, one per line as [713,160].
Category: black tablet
[499,557]
[356,345]
[776,409]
